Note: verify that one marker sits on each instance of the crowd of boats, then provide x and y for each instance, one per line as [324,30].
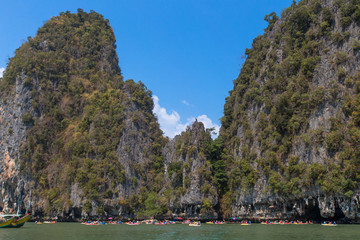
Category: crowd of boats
[17,220]
[189,222]
[286,222]
[152,222]
[327,223]
[50,222]
[192,223]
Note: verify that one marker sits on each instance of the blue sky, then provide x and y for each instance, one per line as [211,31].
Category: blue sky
[187,52]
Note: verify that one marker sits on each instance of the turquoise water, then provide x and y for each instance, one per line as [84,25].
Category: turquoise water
[178,231]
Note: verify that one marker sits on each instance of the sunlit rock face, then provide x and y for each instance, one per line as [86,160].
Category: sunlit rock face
[290,121]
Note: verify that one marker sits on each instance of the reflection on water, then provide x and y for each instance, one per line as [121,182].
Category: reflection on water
[178,231]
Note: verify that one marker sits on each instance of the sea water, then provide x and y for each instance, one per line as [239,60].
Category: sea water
[179,231]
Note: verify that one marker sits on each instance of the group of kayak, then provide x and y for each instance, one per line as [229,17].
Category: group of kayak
[132,223]
[198,223]
[51,222]
[156,222]
[91,223]
[299,223]
[153,222]
[215,222]
[287,222]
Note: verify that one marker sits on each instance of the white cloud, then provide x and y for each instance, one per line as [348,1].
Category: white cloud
[2,72]
[185,102]
[171,125]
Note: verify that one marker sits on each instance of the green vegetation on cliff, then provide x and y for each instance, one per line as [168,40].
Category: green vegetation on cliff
[80,106]
[268,112]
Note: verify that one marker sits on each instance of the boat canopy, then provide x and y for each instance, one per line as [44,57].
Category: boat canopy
[11,215]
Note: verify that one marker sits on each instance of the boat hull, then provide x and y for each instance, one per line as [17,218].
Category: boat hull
[7,223]
[19,222]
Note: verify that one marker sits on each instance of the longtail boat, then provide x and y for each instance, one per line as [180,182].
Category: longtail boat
[20,222]
[15,223]
[6,223]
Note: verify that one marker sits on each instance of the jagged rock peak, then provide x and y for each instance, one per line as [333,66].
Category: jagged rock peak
[80,45]
[75,138]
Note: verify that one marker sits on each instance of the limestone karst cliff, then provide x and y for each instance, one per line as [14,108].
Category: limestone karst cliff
[291,120]
[189,173]
[76,140]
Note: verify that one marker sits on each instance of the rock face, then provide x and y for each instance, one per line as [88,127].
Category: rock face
[287,116]
[76,140]
[189,174]
[12,136]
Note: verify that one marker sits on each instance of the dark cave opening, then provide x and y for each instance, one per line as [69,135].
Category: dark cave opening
[312,211]
[338,212]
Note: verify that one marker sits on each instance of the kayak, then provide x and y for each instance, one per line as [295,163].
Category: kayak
[195,224]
